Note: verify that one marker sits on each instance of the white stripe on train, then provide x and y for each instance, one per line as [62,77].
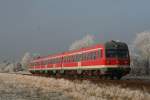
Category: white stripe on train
[83,67]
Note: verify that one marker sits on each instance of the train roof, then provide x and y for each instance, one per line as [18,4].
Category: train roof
[109,44]
[68,52]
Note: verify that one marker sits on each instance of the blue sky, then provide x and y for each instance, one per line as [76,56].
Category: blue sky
[46,26]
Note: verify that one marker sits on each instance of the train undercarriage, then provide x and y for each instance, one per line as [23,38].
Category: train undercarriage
[105,73]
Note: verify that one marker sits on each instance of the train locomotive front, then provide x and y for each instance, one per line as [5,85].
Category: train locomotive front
[117,59]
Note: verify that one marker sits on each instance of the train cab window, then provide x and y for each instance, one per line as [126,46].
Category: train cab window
[120,53]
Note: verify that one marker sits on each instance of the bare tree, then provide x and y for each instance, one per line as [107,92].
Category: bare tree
[84,42]
[142,44]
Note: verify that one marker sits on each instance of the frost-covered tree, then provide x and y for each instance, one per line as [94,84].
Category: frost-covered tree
[84,42]
[25,60]
[142,44]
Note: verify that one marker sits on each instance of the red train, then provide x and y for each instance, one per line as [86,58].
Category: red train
[102,60]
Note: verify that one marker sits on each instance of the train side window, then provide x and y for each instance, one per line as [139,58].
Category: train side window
[99,54]
[37,63]
[83,56]
[89,56]
[70,58]
[59,61]
[73,58]
[93,55]
[50,61]
[65,59]
[44,62]
[55,60]
[78,57]
[86,56]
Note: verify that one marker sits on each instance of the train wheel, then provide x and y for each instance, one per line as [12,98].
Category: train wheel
[58,75]
[108,77]
[102,77]
[116,77]
[111,77]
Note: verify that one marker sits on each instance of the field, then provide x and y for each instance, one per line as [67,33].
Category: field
[22,87]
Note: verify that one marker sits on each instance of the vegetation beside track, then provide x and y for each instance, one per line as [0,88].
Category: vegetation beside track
[16,86]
